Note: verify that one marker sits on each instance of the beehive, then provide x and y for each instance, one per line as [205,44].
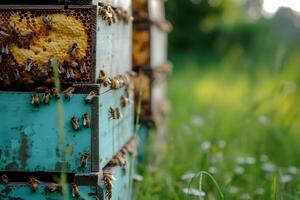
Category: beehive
[66,99]
[149,58]
[83,39]
[79,186]
[47,131]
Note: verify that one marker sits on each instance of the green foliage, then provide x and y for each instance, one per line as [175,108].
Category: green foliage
[251,106]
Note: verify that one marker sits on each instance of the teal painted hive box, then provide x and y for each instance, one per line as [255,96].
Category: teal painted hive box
[42,138]
[88,187]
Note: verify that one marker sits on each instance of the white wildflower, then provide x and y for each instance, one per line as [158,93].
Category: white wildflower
[264,158]
[233,190]
[212,170]
[268,167]
[264,120]
[292,170]
[286,178]
[188,176]
[193,192]
[246,160]
[218,157]
[260,191]
[239,170]
[221,144]
[197,121]
[205,146]
[245,196]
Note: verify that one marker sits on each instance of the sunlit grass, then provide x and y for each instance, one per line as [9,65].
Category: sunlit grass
[255,112]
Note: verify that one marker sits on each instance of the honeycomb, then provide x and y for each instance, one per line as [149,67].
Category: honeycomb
[140,47]
[35,36]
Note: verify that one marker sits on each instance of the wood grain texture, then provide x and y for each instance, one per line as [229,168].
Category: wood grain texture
[113,44]
[119,130]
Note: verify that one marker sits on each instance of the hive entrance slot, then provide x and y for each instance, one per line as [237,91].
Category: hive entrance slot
[24,177]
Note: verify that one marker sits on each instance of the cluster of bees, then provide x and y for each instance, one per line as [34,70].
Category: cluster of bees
[116,83]
[67,70]
[68,93]
[31,72]
[36,100]
[34,183]
[118,160]
[110,14]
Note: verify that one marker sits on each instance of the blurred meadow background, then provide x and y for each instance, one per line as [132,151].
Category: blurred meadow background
[233,130]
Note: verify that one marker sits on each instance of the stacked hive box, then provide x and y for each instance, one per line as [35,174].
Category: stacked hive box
[66,100]
[150,30]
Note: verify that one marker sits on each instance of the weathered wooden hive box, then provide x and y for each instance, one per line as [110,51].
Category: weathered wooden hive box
[149,57]
[150,60]
[66,97]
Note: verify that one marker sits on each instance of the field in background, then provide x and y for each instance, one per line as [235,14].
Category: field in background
[237,119]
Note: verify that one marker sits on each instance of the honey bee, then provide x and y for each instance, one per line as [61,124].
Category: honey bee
[108,179]
[61,69]
[115,83]
[48,22]
[4,49]
[82,67]
[103,79]
[90,96]
[70,73]
[35,99]
[74,64]
[75,123]
[126,17]
[124,101]
[55,93]
[118,160]
[86,120]
[74,50]
[46,96]
[17,74]
[14,32]
[75,191]
[4,179]
[84,160]
[127,91]
[115,113]
[69,93]
[28,65]
[53,187]
[4,80]
[33,184]
[131,73]
[107,13]
[26,38]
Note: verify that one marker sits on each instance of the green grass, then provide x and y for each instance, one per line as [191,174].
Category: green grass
[252,107]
